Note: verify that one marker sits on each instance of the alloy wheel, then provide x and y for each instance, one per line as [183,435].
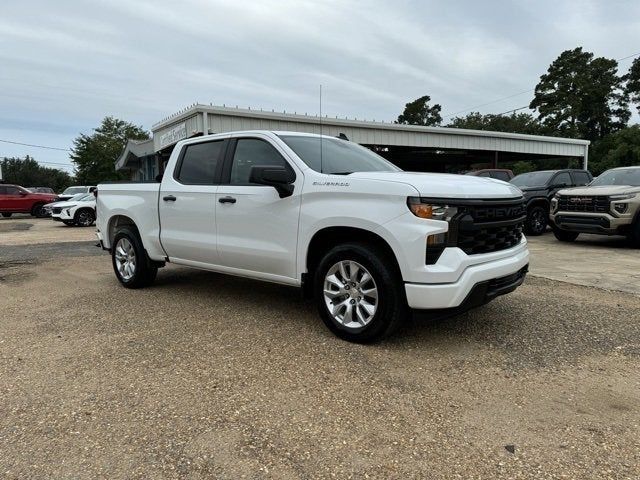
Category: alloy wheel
[350,294]
[125,257]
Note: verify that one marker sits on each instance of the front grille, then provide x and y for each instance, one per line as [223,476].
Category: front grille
[56,210]
[579,203]
[485,226]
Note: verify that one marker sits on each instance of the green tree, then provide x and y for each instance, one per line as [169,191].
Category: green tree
[581,96]
[515,123]
[633,83]
[619,149]
[95,155]
[29,173]
[419,112]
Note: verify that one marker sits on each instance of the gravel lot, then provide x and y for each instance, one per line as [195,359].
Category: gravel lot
[207,376]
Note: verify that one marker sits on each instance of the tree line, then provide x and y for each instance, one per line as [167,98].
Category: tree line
[580,96]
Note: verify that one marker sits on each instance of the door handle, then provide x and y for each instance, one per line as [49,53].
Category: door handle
[227,200]
[169,198]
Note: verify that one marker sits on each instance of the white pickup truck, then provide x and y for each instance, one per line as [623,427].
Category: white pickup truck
[367,240]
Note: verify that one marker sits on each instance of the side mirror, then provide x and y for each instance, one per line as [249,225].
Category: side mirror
[274,176]
[22,193]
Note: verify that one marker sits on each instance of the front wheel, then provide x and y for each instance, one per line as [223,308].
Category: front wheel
[359,294]
[6,215]
[537,219]
[38,211]
[84,217]
[132,266]
[634,234]
[564,235]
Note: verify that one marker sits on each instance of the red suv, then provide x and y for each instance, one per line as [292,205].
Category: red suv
[15,199]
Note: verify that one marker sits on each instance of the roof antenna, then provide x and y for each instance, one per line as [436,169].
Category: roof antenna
[321,129]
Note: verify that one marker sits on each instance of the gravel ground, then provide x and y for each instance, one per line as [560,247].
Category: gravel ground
[207,376]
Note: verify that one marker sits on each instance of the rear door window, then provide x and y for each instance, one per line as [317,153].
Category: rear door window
[200,162]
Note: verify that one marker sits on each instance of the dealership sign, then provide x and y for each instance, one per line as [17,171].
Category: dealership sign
[173,135]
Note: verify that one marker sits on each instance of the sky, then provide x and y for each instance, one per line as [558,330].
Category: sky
[66,64]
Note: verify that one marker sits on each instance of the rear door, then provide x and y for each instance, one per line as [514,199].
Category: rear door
[187,204]
[257,230]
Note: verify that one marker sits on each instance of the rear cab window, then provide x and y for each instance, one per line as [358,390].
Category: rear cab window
[199,163]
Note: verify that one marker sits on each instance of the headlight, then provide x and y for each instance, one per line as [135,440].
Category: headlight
[432,211]
[622,196]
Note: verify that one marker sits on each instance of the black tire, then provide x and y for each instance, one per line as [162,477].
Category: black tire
[145,270]
[38,210]
[391,309]
[565,235]
[537,221]
[7,214]
[84,217]
[634,234]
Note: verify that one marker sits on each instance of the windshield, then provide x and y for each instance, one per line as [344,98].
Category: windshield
[532,179]
[338,156]
[619,176]
[74,190]
[84,197]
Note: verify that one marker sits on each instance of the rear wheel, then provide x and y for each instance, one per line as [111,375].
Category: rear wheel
[564,235]
[359,295]
[132,266]
[537,220]
[6,215]
[84,217]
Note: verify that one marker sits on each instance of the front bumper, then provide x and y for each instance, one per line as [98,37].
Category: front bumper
[425,296]
[602,223]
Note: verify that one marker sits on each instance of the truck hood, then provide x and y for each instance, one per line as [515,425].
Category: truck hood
[600,190]
[443,185]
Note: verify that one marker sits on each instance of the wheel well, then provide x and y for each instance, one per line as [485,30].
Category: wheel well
[119,221]
[329,237]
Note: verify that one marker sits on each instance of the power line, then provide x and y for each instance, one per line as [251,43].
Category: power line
[519,93]
[36,146]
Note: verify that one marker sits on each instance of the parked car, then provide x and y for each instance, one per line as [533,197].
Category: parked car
[16,199]
[498,173]
[80,211]
[71,191]
[367,239]
[539,188]
[49,206]
[41,190]
[610,205]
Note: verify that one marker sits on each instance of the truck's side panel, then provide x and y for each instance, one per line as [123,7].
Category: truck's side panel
[137,202]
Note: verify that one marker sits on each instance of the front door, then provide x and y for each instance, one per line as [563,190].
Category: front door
[257,231]
[187,205]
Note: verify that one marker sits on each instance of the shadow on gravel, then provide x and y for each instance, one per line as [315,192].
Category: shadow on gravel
[14,273]
[544,323]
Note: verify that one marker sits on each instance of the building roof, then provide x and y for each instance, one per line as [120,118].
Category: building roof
[200,119]
[129,158]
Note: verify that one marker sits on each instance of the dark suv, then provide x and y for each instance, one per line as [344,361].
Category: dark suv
[539,188]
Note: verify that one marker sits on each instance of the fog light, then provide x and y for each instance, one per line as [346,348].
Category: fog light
[620,207]
[436,244]
[437,239]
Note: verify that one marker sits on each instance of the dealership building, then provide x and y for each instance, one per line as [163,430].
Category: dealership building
[412,148]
